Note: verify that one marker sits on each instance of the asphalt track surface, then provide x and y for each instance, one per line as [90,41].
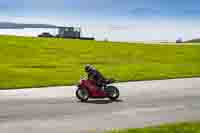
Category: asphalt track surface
[56,109]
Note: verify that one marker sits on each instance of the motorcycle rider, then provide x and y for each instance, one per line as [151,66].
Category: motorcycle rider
[94,74]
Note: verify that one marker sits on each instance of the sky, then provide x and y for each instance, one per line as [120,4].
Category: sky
[117,20]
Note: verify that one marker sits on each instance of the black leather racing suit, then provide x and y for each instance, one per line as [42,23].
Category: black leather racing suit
[93,74]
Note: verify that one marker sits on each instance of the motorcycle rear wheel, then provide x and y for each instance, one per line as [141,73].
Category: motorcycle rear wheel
[82,94]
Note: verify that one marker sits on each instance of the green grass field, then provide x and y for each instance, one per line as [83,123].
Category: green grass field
[38,62]
[193,127]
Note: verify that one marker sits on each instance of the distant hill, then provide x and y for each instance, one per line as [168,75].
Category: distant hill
[9,25]
[193,41]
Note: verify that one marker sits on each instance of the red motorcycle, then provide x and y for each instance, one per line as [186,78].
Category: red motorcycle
[88,89]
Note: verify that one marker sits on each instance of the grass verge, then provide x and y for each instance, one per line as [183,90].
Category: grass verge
[193,127]
[38,62]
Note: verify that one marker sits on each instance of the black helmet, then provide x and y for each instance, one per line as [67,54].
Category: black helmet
[88,67]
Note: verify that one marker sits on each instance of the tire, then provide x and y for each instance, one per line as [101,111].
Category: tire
[82,94]
[113,92]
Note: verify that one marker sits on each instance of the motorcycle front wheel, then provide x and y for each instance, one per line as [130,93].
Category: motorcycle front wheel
[113,92]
